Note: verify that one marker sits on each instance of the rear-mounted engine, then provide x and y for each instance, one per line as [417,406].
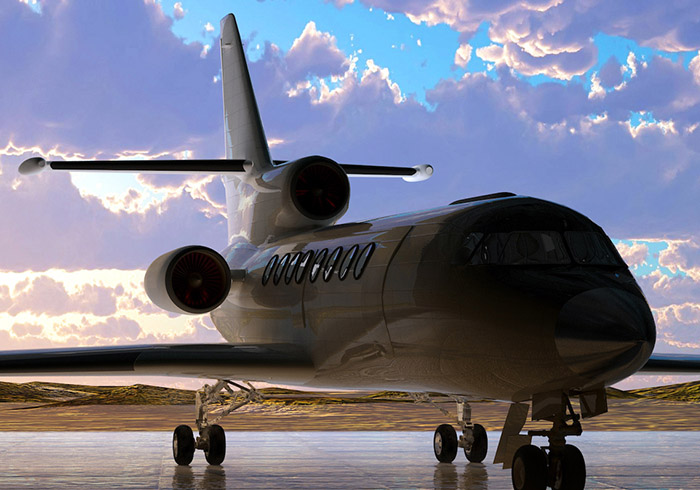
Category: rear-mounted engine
[191,279]
[319,188]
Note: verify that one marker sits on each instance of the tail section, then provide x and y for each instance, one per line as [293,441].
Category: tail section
[245,137]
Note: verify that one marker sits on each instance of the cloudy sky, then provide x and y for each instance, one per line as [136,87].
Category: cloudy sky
[589,103]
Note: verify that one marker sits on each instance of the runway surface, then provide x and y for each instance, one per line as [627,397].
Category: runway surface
[143,460]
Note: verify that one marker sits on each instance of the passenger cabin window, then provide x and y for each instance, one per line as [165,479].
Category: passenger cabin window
[268,270]
[519,248]
[589,247]
[318,264]
[330,265]
[279,272]
[348,261]
[303,263]
[362,260]
[291,270]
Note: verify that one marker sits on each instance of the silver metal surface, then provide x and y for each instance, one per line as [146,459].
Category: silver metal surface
[329,460]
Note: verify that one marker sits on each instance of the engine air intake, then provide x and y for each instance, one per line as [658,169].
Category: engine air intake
[191,279]
[320,189]
[198,280]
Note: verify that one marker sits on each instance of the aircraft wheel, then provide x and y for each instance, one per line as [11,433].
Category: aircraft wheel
[183,445]
[480,446]
[567,469]
[529,469]
[216,447]
[445,443]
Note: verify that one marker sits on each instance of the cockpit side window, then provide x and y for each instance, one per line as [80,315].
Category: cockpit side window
[518,248]
[589,247]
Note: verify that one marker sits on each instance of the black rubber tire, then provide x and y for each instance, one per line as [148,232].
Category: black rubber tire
[571,472]
[480,446]
[529,470]
[216,450]
[183,445]
[445,443]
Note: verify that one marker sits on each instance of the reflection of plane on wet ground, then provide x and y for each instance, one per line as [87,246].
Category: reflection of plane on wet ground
[322,460]
[500,296]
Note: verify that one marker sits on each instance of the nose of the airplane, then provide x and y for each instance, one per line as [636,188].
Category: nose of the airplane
[605,331]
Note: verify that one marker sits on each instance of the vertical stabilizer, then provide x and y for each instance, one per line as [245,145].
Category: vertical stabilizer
[245,137]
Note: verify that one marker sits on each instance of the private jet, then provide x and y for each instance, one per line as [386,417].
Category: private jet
[502,296]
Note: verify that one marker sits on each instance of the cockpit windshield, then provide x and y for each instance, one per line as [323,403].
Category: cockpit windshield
[538,248]
[589,247]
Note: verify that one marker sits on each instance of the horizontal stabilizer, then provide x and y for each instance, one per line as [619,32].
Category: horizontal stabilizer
[36,165]
[409,174]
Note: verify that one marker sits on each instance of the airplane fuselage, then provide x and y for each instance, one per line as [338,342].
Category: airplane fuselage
[499,298]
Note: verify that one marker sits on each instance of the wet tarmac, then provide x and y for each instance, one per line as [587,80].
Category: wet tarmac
[143,460]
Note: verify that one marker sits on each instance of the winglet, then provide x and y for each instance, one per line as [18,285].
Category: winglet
[245,137]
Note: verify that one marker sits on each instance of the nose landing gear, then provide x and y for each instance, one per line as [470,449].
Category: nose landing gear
[560,466]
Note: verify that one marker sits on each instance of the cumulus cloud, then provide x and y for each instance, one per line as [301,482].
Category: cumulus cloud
[117,82]
[635,254]
[46,295]
[679,325]
[462,55]
[316,53]
[178,11]
[682,255]
[340,3]
[555,37]
[611,73]
[694,67]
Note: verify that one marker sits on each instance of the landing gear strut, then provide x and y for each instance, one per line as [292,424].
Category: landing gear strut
[445,441]
[211,439]
[559,465]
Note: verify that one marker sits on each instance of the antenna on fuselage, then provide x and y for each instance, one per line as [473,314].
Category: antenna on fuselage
[244,133]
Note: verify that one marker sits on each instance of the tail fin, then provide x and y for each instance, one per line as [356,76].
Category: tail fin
[245,137]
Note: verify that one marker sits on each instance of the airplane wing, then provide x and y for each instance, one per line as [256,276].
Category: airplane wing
[672,364]
[221,361]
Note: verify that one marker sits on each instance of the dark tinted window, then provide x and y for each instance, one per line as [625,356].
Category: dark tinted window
[268,270]
[279,272]
[363,259]
[469,245]
[292,268]
[318,264]
[330,265]
[521,248]
[303,264]
[348,260]
[589,247]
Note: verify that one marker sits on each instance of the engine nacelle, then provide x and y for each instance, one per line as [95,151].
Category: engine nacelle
[315,192]
[193,280]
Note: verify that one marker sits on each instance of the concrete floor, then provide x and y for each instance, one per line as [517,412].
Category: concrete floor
[136,460]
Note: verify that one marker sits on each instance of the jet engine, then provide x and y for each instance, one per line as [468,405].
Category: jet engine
[193,279]
[316,192]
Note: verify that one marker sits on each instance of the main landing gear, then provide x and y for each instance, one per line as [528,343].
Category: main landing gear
[211,439]
[445,441]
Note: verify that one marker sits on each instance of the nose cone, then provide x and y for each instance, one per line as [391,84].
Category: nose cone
[605,333]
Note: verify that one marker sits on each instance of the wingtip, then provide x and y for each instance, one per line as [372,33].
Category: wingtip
[32,166]
[423,172]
